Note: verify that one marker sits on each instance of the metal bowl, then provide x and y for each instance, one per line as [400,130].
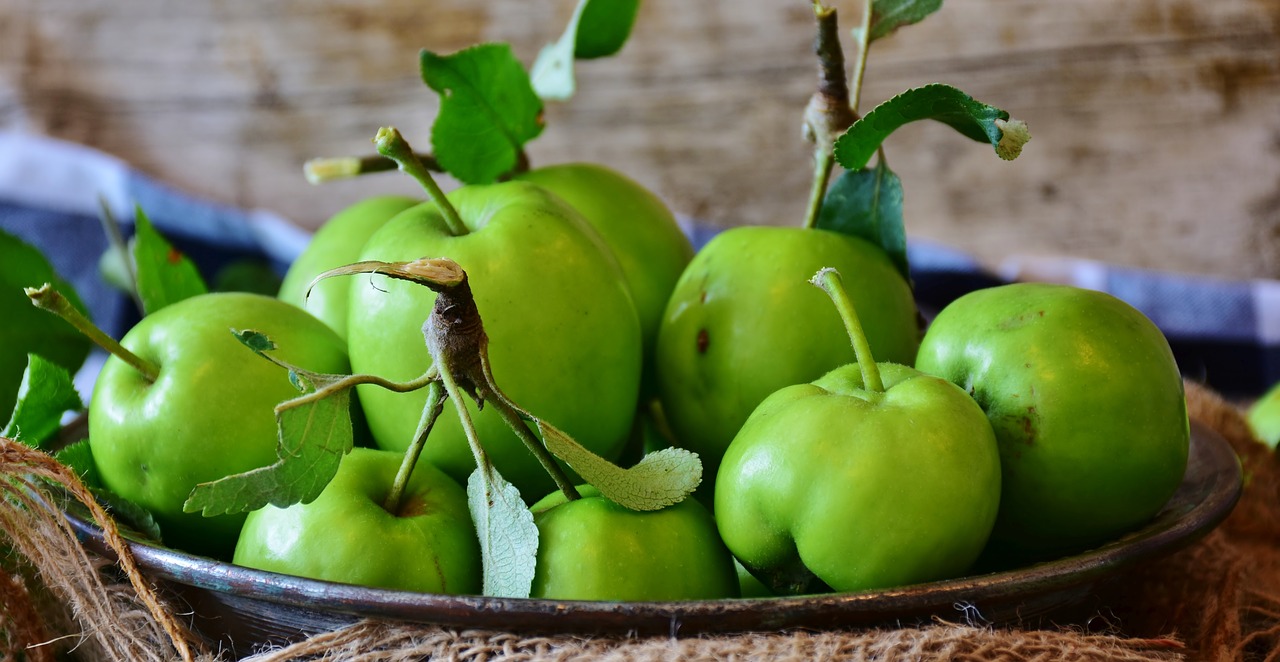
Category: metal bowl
[240,609]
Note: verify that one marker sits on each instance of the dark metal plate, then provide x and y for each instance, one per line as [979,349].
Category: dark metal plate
[240,608]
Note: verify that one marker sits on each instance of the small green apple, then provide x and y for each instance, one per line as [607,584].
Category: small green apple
[347,535]
[1086,401]
[337,242]
[564,338]
[1264,417]
[209,412]
[744,322]
[593,549]
[638,227]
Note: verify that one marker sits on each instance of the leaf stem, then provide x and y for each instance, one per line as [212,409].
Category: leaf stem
[435,405]
[515,419]
[49,299]
[111,226]
[860,64]
[393,146]
[828,280]
[828,113]
[454,392]
[329,168]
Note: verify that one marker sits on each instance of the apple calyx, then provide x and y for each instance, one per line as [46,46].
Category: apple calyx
[49,299]
[393,146]
[828,280]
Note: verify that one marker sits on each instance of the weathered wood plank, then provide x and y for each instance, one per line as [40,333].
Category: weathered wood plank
[1156,123]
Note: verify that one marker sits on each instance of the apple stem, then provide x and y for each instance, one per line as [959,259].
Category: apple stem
[828,280]
[329,168]
[828,113]
[49,299]
[435,405]
[393,146]
[514,419]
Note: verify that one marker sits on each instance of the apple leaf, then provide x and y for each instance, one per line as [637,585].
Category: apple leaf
[660,479]
[507,533]
[598,28]
[47,392]
[488,111]
[938,102]
[867,203]
[889,15]
[79,458]
[313,433]
[165,276]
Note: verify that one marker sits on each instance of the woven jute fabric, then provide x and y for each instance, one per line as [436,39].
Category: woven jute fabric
[1217,599]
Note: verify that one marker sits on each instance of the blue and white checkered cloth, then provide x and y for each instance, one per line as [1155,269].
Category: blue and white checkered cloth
[1224,333]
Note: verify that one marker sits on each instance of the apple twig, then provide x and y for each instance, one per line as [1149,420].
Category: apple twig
[828,113]
[47,298]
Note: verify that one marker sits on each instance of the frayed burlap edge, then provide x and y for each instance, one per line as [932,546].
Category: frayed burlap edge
[1221,597]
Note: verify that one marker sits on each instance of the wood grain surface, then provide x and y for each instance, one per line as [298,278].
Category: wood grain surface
[1155,123]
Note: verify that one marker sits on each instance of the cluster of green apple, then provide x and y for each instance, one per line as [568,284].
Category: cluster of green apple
[845,447]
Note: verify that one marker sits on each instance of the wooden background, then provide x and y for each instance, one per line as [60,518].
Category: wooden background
[1155,123]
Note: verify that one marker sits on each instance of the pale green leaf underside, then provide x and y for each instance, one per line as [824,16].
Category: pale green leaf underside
[937,102]
[488,111]
[506,531]
[47,392]
[662,478]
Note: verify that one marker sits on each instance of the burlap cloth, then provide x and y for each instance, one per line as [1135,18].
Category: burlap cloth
[1216,599]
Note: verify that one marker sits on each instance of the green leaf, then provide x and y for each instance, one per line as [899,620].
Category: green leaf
[598,28]
[889,15]
[661,478]
[938,102]
[313,432]
[165,275]
[488,111]
[313,435]
[79,458]
[26,329]
[47,392]
[507,533]
[867,203]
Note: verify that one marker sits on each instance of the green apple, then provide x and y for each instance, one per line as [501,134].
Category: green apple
[835,485]
[564,339]
[1087,404]
[593,549]
[1264,417]
[208,414]
[347,535]
[26,329]
[337,242]
[744,322]
[638,227]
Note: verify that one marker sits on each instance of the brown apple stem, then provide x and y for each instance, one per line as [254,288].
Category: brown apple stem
[828,113]
[393,146]
[436,396]
[330,168]
[49,299]
[460,347]
[828,280]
